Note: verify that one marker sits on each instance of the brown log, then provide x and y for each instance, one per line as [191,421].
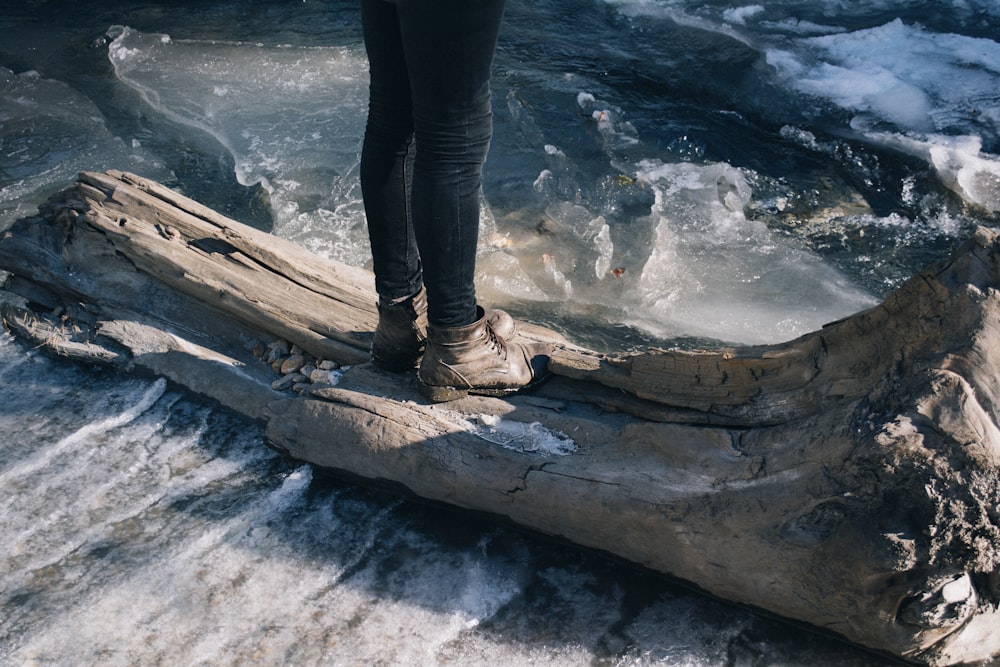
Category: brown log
[849,479]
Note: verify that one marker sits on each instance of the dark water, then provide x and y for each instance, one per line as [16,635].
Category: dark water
[662,172]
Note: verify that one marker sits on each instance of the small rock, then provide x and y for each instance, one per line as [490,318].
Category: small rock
[327,365]
[284,383]
[278,349]
[259,350]
[280,344]
[308,369]
[292,364]
[301,387]
[325,377]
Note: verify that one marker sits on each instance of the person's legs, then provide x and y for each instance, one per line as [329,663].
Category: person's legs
[387,156]
[449,46]
[425,144]
[386,181]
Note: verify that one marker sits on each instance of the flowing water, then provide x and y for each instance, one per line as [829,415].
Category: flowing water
[664,172]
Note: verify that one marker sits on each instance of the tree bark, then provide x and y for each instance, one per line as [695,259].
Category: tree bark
[849,479]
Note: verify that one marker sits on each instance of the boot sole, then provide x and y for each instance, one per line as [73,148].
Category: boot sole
[442,394]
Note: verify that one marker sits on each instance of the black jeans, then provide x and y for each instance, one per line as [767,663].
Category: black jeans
[429,128]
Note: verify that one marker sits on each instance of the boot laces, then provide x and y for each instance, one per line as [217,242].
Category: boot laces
[495,341]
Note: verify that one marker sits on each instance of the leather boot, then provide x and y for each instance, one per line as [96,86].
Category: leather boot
[401,333]
[475,359]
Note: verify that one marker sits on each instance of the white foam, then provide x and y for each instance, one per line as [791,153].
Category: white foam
[741,14]
[937,91]
[800,27]
[959,162]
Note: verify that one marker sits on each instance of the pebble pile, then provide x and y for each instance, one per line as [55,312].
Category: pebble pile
[297,370]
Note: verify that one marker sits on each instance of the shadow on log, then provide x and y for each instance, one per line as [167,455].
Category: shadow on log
[848,478]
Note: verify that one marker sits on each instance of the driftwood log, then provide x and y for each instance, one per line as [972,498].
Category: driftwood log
[848,479]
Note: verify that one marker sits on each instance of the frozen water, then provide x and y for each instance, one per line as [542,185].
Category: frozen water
[898,79]
[675,257]
[521,436]
[49,133]
[668,248]
[713,270]
[292,117]
[959,162]
[304,146]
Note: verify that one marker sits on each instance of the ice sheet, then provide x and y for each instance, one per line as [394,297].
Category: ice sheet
[292,117]
[50,132]
[667,246]
[664,247]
